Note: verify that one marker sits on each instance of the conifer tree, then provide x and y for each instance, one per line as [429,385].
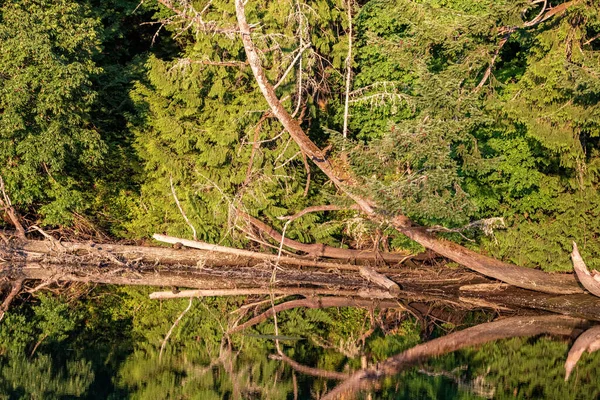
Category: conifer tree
[47,139]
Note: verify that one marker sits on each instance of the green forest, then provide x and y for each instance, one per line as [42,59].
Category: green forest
[461,135]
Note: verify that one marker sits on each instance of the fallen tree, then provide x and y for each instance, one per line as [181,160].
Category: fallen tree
[515,275]
[218,270]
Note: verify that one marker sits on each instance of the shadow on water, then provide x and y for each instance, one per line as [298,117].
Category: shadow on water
[108,347]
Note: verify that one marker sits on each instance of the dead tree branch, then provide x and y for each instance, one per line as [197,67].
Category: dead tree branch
[363,293]
[348,69]
[321,250]
[252,254]
[380,280]
[6,204]
[168,335]
[303,369]
[307,210]
[317,302]
[291,66]
[187,221]
[590,281]
[16,288]
[488,71]
[542,16]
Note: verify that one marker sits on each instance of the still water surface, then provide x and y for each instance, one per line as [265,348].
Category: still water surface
[112,352]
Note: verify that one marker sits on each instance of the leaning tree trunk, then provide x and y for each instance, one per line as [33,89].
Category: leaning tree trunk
[515,275]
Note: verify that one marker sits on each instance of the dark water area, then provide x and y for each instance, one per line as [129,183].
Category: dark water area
[108,346]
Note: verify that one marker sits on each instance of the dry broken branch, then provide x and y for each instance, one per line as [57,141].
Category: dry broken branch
[590,281]
[168,335]
[303,369]
[348,68]
[6,204]
[380,280]
[321,250]
[317,302]
[307,210]
[252,254]
[15,289]
[363,293]
[187,221]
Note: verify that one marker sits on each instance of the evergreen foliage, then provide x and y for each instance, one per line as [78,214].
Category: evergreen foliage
[198,123]
[47,137]
[522,147]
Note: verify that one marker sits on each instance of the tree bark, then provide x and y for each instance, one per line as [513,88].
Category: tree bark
[320,250]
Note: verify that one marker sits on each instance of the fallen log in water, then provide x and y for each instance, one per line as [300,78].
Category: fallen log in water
[207,270]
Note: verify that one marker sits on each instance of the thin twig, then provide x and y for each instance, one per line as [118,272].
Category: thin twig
[307,169]
[287,71]
[488,71]
[187,221]
[327,207]
[256,304]
[592,39]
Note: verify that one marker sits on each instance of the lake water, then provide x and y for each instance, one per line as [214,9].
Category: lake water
[108,346]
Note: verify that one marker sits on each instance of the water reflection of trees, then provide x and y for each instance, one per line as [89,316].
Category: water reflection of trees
[112,347]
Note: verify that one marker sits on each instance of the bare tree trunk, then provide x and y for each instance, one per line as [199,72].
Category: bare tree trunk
[518,276]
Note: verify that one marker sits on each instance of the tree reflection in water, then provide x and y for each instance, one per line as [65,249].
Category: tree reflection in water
[110,349]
